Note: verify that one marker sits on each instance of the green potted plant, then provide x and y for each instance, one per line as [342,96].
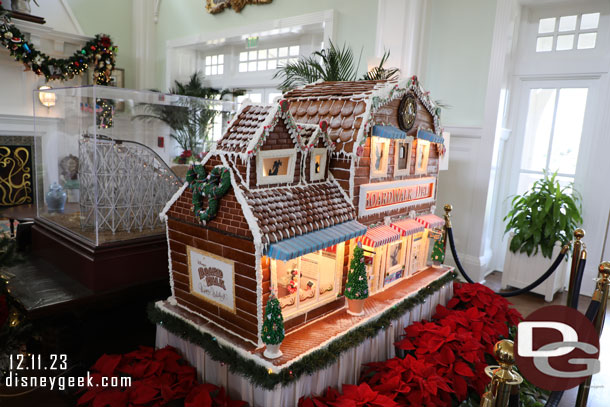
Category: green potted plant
[273,328]
[541,221]
[357,286]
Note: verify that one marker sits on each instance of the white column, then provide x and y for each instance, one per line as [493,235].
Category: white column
[144,38]
[400,29]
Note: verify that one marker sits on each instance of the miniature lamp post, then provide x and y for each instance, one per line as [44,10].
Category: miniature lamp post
[357,287]
[273,328]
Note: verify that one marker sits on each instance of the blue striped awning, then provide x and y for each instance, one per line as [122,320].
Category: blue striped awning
[310,242]
[431,137]
[389,132]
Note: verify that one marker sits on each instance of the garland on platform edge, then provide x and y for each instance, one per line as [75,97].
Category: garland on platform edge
[98,53]
[213,186]
[309,364]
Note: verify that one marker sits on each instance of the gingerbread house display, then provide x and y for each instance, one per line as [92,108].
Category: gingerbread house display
[289,191]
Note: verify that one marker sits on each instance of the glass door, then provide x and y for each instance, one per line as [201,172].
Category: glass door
[552,135]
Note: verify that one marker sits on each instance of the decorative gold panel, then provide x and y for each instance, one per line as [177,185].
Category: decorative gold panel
[15,175]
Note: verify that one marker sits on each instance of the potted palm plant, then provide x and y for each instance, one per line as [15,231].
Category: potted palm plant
[540,222]
[190,120]
[330,64]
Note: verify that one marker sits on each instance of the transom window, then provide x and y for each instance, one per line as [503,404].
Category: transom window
[578,31]
[214,65]
[267,59]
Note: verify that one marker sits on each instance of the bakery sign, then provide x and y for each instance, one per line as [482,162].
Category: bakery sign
[388,196]
[211,278]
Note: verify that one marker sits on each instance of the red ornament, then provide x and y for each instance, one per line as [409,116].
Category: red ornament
[105,41]
[92,48]
[323,125]
[284,105]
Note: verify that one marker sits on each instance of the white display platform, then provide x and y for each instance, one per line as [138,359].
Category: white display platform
[345,371]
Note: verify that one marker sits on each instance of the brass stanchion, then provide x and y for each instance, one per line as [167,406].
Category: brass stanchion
[503,378]
[602,289]
[448,208]
[578,245]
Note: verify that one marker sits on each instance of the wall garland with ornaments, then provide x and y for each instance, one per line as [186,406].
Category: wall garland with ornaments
[98,53]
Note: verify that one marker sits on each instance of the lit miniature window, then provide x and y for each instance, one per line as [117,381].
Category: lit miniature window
[308,281]
[317,167]
[402,158]
[421,156]
[214,65]
[275,166]
[395,262]
[380,150]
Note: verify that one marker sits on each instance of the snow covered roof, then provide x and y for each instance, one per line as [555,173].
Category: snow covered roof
[285,212]
[348,107]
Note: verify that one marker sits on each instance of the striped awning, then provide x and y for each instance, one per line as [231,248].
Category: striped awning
[379,236]
[431,137]
[389,132]
[431,221]
[407,227]
[310,242]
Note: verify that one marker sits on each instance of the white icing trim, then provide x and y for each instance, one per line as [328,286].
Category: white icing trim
[174,198]
[169,263]
[258,239]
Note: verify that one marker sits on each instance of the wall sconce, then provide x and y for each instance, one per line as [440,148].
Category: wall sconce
[47,99]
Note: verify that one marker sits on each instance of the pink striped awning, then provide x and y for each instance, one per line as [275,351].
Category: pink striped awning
[379,236]
[431,221]
[407,227]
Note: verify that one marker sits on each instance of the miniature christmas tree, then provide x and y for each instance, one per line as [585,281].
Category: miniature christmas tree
[438,251]
[273,325]
[357,287]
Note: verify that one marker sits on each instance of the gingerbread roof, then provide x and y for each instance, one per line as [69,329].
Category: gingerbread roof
[247,124]
[282,213]
[348,107]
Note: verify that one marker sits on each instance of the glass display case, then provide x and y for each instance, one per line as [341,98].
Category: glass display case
[109,159]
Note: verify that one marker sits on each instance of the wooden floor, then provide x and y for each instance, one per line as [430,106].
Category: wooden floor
[313,335]
[600,386]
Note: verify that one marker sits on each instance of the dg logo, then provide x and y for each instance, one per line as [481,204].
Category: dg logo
[557,348]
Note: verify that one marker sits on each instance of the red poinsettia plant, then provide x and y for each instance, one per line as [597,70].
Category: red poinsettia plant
[445,357]
[158,377]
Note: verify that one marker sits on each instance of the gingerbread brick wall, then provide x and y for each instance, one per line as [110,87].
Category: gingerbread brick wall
[278,139]
[227,235]
[340,168]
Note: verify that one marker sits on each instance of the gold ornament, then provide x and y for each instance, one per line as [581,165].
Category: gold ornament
[14,319]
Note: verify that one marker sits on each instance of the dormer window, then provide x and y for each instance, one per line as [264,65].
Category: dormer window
[380,150]
[317,167]
[402,158]
[275,166]
[421,156]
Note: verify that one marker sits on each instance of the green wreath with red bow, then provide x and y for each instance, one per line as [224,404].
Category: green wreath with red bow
[212,186]
[99,54]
